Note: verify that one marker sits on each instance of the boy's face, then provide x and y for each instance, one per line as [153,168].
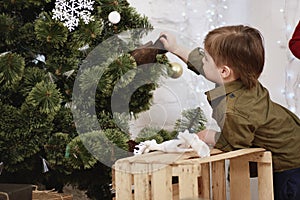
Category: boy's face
[211,71]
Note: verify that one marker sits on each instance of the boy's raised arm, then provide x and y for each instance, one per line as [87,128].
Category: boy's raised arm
[170,44]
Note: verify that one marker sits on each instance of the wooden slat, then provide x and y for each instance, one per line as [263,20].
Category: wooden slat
[239,179]
[222,156]
[175,191]
[164,158]
[123,180]
[113,176]
[188,182]
[265,179]
[204,181]
[161,183]
[156,157]
[141,186]
[259,157]
[141,180]
[218,180]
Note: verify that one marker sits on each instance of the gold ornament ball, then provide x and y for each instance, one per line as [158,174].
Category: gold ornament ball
[175,70]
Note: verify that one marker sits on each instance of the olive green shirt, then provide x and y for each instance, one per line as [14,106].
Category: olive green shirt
[249,118]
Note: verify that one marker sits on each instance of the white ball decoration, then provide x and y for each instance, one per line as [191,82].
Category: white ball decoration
[114,17]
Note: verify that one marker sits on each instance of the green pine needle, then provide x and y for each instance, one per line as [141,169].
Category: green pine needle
[11,69]
[50,31]
[46,97]
[192,120]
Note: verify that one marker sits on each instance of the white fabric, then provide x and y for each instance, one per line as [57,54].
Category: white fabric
[185,142]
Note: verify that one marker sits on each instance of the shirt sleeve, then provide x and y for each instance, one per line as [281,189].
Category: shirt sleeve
[294,43]
[237,133]
[195,61]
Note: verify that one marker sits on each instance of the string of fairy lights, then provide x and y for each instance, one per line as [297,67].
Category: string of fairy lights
[291,92]
[214,17]
[214,13]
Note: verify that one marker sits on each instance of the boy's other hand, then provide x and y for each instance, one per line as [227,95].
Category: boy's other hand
[207,136]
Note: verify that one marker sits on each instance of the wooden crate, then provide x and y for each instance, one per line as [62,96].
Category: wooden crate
[151,176]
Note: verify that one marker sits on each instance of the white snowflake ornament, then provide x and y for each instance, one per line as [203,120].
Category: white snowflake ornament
[71,11]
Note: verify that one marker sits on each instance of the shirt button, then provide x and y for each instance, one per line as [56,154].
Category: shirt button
[231,95]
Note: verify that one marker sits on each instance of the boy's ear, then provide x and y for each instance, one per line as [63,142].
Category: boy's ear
[225,71]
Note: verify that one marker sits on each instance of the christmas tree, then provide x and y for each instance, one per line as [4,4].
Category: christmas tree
[45,48]
[192,119]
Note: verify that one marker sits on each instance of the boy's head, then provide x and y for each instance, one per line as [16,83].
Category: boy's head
[240,48]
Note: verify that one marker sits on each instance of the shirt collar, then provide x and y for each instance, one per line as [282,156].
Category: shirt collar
[223,90]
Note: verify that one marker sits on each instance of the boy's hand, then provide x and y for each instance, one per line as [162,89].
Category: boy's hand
[170,44]
[207,136]
[169,41]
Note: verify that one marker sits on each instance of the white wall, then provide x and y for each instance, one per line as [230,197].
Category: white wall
[190,20]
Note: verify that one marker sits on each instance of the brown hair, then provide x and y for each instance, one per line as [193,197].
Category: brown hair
[240,48]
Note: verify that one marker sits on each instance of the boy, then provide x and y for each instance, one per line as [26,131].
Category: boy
[233,59]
